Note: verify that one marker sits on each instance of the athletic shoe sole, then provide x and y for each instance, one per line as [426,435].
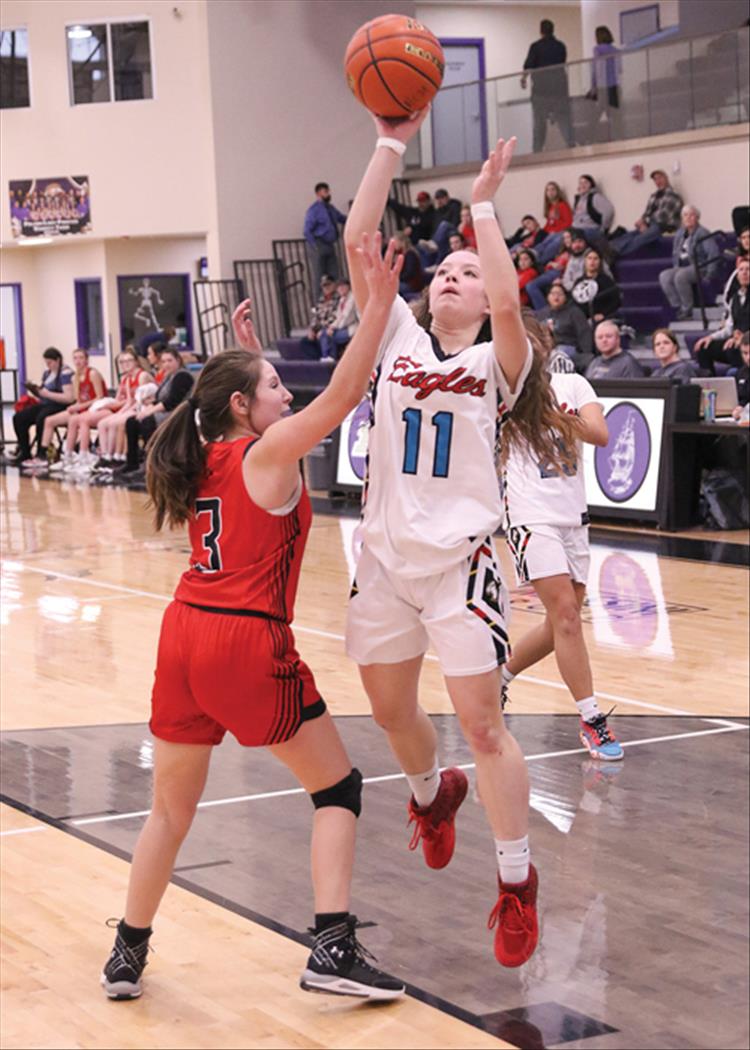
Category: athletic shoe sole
[324,984]
[121,989]
[600,755]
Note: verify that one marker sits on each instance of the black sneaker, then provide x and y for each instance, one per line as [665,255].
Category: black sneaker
[121,977]
[338,966]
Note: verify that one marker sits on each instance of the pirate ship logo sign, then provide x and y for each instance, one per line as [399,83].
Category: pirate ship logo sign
[359,433]
[622,466]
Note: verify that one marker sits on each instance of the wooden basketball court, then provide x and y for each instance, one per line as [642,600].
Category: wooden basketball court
[643,870]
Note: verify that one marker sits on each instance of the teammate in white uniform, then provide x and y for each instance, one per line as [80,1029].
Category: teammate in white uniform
[428,571]
[546,526]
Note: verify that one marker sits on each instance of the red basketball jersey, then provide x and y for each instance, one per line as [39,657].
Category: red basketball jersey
[242,556]
[86,388]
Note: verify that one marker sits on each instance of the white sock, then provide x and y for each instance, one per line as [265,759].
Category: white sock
[589,708]
[425,786]
[513,859]
[507,676]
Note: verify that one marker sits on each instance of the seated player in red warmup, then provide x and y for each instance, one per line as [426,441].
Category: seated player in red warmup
[227,462]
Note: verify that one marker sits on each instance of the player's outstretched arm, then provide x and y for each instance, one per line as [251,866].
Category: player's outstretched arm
[500,277]
[270,468]
[244,329]
[371,197]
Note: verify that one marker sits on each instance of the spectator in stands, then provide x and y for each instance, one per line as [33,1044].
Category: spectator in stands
[576,259]
[693,244]
[174,388]
[322,316]
[570,330]
[661,215]
[153,362]
[743,379]
[110,428]
[724,344]
[553,271]
[527,271]
[336,335]
[321,232]
[667,353]
[88,387]
[528,235]
[45,399]
[164,337]
[558,217]
[596,292]
[592,212]
[447,208]
[466,228]
[411,278]
[557,361]
[732,283]
[549,87]
[605,79]
[613,362]
[420,221]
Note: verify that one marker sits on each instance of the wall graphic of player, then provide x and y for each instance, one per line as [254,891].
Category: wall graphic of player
[622,459]
[145,311]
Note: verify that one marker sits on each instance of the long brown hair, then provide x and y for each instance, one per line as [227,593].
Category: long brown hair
[537,424]
[560,197]
[176,459]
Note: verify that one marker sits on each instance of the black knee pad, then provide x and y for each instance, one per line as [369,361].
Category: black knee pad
[347,794]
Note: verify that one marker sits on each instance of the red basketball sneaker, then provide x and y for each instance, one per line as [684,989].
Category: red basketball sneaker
[435,824]
[515,917]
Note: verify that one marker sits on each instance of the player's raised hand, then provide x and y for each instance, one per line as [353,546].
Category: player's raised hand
[380,271]
[244,329]
[494,169]
[404,128]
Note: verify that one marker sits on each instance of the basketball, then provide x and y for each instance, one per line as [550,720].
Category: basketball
[394,65]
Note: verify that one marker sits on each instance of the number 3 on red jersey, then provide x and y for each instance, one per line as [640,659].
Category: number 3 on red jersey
[210,539]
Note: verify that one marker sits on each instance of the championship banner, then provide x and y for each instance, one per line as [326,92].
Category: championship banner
[50,207]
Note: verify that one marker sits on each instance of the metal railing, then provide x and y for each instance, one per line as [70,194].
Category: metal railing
[677,85]
[214,303]
[261,281]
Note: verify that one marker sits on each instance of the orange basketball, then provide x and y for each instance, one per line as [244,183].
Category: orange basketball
[394,65]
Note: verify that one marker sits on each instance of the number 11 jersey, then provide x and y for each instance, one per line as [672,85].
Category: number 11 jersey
[243,558]
[432,492]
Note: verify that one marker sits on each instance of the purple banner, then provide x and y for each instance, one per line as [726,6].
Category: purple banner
[50,207]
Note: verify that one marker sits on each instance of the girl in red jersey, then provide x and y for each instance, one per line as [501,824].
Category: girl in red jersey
[227,462]
[88,385]
[111,429]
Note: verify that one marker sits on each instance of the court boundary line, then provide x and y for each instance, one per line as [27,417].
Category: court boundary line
[9,562]
[260,796]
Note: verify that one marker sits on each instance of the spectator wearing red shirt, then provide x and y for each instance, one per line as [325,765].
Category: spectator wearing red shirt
[466,228]
[528,235]
[553,271]
[557,212]
[527,272]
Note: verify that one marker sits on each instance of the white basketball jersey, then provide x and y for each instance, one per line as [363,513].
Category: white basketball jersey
[537,493]
[432,491]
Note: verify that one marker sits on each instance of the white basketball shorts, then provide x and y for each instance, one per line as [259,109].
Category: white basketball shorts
[550,550]
[462,613]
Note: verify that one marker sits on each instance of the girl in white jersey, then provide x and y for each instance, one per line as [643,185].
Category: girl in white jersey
[546,526]
[428,571]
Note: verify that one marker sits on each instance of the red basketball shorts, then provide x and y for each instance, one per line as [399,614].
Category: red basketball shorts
[219,671]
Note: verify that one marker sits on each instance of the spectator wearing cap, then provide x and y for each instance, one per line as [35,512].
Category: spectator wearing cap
[420,221]
[613,362]
[667,353]
[447,208]
[661,216]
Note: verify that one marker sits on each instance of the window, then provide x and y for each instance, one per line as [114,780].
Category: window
[89,319]
[109,61]
[14,68]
